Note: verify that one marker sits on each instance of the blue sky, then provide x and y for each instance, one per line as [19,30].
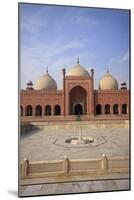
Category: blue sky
[54,36]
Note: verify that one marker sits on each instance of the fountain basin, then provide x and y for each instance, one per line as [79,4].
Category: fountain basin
[79,141]
[75,140]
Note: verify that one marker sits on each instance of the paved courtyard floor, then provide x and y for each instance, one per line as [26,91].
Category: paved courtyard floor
[49,144]
[45,144]
[74,187]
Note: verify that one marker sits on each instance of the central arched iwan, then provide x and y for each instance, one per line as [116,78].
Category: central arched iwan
[78,101]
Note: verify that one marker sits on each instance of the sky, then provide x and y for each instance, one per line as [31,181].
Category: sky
[55,36]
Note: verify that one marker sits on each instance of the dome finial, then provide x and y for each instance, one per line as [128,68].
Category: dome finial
[107,69]
[47,70]
[78,60]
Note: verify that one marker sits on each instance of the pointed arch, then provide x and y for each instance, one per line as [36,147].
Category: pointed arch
[78,96]
[57,110]
[38,110]
[124,108]
[115,109]
[98,109]
[29,110]
[48,110]
[107,109]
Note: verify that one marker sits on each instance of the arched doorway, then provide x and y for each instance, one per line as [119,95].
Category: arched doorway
[98,109]
[38,110]
[78,110]
[57,110]
[47,110]
[29,110]
[78,101]
[124,109]
[107,109]
[115,109]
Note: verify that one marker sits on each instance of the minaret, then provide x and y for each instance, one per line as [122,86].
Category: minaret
[91,92]
[92,72]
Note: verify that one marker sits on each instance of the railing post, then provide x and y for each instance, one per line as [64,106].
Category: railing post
[66,165]
[25,167]
[104,163]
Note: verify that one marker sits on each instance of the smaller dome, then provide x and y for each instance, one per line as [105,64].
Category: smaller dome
[46,82]
[108,82]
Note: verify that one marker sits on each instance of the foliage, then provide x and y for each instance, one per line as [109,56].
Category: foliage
[78,118]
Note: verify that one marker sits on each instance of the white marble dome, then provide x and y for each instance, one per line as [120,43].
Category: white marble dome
[108,82]
[78,70]
[46,82]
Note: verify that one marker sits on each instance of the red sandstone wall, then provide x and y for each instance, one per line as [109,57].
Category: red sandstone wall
[41,98]
[54,97]
[112,97]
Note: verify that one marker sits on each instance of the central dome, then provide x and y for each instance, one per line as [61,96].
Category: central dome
[46,82]
[78,70]
[108,83]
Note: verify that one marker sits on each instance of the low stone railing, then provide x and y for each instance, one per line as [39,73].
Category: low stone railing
[70,167]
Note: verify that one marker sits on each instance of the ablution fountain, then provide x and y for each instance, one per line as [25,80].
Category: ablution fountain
[80,139]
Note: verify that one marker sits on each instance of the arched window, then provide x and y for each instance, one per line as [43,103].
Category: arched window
[29,110]
[21,110]
[124,109]
[38,110]
[115,109]
[98,109]
[57,110]
[48,110]
[107,109]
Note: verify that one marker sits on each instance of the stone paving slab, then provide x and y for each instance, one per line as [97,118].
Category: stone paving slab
[75,187]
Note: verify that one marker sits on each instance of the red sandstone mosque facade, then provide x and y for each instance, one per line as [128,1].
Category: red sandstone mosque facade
[78,97]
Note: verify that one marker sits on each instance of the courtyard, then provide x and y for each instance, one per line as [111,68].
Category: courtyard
[48,142]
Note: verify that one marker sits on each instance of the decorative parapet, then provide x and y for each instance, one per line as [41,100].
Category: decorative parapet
[55,168]
[41,92]
[111,91]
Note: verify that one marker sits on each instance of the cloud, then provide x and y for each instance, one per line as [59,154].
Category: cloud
[125,58]
[85,20]
[34,60]
[121,61]
[120,67]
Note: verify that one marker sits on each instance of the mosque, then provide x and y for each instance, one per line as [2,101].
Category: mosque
[77,98]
